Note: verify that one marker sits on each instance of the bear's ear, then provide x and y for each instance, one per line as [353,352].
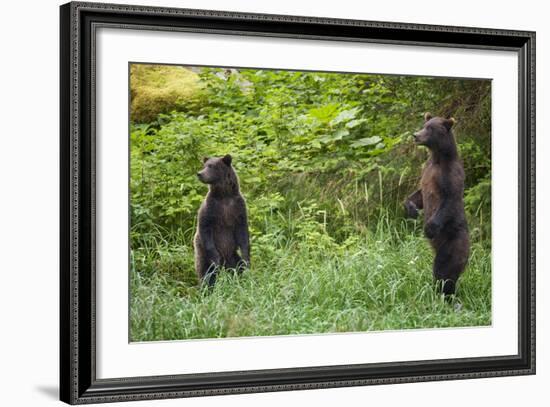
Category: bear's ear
[449,122]
[204,159]
[227,160]
[427,116]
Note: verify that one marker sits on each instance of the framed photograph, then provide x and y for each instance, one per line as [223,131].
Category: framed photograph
[255,203]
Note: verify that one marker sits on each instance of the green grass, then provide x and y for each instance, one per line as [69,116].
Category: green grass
[378,280]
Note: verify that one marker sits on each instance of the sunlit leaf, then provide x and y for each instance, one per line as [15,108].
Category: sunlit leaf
[365,142]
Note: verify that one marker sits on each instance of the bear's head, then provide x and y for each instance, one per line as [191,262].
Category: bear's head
[436,134]
[216,170]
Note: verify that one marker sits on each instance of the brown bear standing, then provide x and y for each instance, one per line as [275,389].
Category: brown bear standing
[222,222]
[441,197]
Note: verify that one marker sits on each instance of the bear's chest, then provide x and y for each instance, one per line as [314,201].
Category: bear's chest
[228,212]
[431,194]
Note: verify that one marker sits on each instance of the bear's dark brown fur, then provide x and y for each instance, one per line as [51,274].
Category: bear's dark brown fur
[222,226]
[441,196]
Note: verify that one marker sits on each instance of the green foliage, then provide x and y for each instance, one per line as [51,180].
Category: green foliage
[325,161]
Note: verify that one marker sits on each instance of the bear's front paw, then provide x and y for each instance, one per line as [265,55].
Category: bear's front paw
[411,210]
[432,229]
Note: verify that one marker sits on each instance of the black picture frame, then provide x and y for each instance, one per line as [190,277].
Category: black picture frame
[78,382]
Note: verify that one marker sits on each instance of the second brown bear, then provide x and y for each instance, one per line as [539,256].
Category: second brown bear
[441,196]
[222,227]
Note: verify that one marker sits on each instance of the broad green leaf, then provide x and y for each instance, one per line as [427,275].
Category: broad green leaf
[365,142]
[324,113]
[354,123]
[345,115]
[339,134]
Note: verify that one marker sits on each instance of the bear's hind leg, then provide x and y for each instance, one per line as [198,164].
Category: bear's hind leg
[449,263]
[446,287]
[206,271]
[207,275]
[441,272]
[210,276]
